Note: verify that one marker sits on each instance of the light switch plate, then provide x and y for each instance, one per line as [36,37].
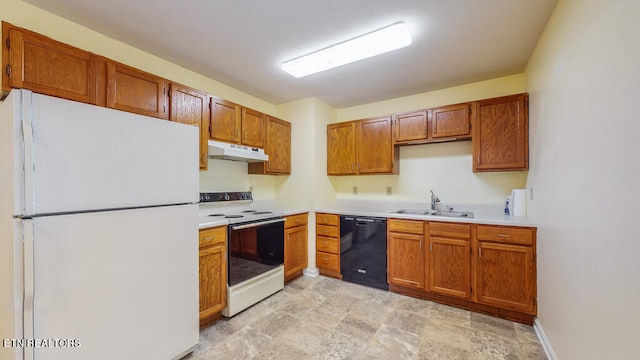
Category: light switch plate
[388,190]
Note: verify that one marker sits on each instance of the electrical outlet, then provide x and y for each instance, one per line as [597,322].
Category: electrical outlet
[355,190]
[388,190]
[251,188]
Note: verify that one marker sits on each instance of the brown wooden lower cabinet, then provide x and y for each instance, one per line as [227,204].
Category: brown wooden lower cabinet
[485,268]
[449,259]
[506,268]
[405,242]
[212,274]
[295,246]
[328,244]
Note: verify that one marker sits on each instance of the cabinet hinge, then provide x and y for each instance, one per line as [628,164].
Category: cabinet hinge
[7,70]
[8,43]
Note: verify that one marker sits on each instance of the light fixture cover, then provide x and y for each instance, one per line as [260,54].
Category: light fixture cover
[378,42]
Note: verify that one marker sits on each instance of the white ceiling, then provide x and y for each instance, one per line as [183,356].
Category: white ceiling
[242,43]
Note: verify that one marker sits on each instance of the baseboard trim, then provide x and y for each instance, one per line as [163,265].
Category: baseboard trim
[546,345]
[312,272]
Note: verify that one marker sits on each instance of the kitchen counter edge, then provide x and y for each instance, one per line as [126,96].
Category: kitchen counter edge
[483,219]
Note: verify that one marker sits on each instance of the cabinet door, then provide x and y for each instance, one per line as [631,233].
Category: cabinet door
[341,149]
[451,121]
[374,147]
[252,128]
[191,107]
[46,66]
[295,251]
[450,267]
[213,280]
[410,127]
[501,134]
[278,146]
[135,91]
[406,260]
[506,276]
[225,120]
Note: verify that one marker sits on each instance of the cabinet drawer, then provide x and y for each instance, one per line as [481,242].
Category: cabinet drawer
[295,220]
[406,226]
[450,230]
[327,219]
[505,234]
[327,244]
[213,236]
[327,261]
[324,230]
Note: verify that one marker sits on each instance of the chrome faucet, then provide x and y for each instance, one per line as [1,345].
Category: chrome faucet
[434,200]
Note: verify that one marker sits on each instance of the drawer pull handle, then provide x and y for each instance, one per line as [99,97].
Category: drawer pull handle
[502,235]
[325,259]
[298,221]
[209,238]
[325,243]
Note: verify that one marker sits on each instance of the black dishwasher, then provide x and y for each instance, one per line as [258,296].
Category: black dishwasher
[363,250]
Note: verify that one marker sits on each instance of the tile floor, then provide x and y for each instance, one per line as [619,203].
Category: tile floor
[324,318]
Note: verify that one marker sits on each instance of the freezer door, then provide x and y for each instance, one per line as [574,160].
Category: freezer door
[114,285]
[83,157]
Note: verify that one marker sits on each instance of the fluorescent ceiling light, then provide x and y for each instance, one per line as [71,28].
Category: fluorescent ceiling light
[378,42]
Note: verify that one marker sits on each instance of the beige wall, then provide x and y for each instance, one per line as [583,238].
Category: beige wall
[308,186]
[583,83]
[447,167]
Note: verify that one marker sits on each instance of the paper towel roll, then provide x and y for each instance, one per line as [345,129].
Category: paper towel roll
[518,202]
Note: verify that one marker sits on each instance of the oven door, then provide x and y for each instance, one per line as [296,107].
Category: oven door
[254,248]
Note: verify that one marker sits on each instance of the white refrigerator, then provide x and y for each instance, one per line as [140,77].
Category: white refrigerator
[98,232]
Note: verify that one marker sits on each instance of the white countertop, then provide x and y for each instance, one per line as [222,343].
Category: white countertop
[205,221]
[491,214]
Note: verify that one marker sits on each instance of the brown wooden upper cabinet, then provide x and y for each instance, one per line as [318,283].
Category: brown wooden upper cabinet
[43,65]
[447,123]
[361,147]
[501,134]
[374,147]
[411,127]
[189,106]
[236,124]
[341,148]
[451,122]
[225,120]
[277,146]
[136,91]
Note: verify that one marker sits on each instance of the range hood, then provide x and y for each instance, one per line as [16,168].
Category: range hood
[221,150]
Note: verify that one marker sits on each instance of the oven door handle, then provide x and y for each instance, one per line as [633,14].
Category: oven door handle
[255,224]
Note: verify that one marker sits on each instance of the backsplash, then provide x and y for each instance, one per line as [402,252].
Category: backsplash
[226,175]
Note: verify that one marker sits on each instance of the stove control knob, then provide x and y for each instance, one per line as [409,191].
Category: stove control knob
[227,197]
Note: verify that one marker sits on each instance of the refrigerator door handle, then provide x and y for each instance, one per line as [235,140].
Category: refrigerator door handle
[28,195]
[29,285]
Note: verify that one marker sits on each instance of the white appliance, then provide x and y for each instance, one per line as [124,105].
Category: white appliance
[98,232]
[225,151]
[255,251]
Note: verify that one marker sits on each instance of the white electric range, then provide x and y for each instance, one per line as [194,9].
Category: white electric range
[255,247]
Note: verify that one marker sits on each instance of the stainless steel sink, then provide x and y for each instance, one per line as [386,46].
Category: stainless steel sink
[414,211]
[456,214]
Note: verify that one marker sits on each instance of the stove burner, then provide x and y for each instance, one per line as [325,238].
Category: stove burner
[249,211]
[216,215]
[233,216]
[263,212]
